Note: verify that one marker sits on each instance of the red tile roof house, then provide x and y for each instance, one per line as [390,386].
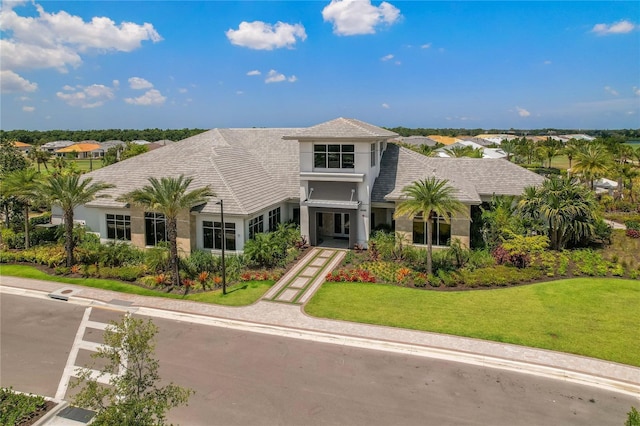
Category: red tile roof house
[338,180]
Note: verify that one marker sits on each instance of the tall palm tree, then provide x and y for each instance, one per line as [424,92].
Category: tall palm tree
[592,162]
[22,185]
[566,209]
[430,197]
[169,196]
[68,191]
[572,148]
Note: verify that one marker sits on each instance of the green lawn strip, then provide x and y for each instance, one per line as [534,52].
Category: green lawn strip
[595,317]
[241,294]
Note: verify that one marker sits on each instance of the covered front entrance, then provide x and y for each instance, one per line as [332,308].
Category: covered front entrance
[332,227]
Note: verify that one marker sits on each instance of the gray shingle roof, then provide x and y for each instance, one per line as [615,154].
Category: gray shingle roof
[250,169]
[342,128]
[472,178]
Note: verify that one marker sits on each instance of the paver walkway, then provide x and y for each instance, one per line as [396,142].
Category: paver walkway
[299,283]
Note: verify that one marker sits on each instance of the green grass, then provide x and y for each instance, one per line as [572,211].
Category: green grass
[595,317]
[238,295]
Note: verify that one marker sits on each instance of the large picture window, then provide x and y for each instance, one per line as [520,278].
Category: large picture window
[155,227]
[274,219]
[212,232]
[256,225]
[440,228]
[119,227]
[333,156]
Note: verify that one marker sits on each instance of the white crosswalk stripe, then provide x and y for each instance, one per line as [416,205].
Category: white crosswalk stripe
[71,369]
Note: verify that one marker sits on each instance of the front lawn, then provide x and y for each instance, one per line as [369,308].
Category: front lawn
[595,317]
[241,294]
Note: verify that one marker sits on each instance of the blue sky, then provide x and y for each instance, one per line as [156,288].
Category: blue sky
[166,64]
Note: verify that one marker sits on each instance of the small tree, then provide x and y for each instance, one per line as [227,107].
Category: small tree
[133,396]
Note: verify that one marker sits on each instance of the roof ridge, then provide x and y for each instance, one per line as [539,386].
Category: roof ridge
[221,175]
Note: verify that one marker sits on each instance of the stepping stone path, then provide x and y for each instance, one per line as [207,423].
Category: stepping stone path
[298,285]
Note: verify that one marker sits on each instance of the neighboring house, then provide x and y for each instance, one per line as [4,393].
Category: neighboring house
[415,140]
[83,149]
[51,147]
[496,138]
[338,180]
[22,147]
[105,146]
[486,152]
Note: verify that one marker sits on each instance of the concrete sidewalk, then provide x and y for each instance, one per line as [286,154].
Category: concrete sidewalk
[287,319]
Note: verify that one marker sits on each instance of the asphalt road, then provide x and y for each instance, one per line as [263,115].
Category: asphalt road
[244,378]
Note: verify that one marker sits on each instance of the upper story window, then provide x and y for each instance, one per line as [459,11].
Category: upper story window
[374,157]
[119,227]
[155,225]
[334,156]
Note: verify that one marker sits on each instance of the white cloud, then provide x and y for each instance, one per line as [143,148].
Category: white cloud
[56,40]
[353,17]
[68,88]
[426,46]
[611,90]
[116,84]
[385,106]
[387,57]
[636,90]
[523,112]
[547,62]
[621,27]
[23,98]
[87,97]
[28,108]
[151,97]
[262,36]
[274,76]
[11,82]
[239,92]
[182,90]
[254,72]
[138,83]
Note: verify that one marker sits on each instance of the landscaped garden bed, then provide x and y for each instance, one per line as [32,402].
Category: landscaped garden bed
[18,409]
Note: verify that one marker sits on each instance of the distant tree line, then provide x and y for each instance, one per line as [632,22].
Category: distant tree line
[37,137]
[420,131]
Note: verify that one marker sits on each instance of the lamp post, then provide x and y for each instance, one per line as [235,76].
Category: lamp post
[224,243]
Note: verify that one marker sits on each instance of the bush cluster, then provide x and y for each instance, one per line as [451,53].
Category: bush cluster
[16,408]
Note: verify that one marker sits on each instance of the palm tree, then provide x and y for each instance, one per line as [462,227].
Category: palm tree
[572,148]
[169,196]
[593,161]
[40,157]
[565,208]
[22,184]
[508,147]
[68,191]
[549,151]
[430,197]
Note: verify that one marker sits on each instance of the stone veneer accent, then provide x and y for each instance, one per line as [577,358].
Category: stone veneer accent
[186,230]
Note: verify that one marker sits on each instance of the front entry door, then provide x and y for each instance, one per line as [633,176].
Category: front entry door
[341,224]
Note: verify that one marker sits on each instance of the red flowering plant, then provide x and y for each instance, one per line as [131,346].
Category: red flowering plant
[351,275]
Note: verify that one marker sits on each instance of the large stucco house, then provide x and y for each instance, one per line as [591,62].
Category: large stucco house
[338,180]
